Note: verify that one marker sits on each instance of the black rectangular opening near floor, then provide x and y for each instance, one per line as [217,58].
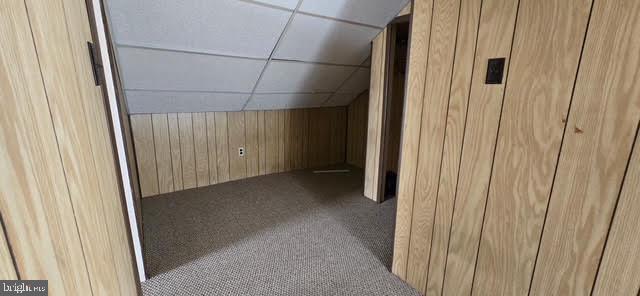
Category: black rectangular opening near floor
[295,233]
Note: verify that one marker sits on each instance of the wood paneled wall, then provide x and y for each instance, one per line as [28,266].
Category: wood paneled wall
[178,151]
[521,188]
[60,198]
[357,115]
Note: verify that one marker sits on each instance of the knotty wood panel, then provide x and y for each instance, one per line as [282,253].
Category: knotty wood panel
[618,274]
[262,144]
[47,244]
[272,146]
[211,147]
[434,120]
[251,148]
[187,150]
[176,156]
[142,128]
[222,146]
[456,119]
[376,115]
[163,152]
[200,141]
[417,68]
[600,130]
[356,130]
[494,40]
[532,124]
[237,163]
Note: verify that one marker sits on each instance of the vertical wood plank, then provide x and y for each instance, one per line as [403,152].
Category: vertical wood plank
[281,140]
[176,156]
[534,113]
[201,143]
[456,118]
[305,138]
[252,147]
[33,183]
[618,274]
[600,130]
[187,150]
[287,140]
[297,118]
[375,118]
[163,152]
[212,147]
[497,23]
[434,119]
[262,144]
[75,140]
[237,163]
[222,146]
[142,128]
[417,68]
[272,147]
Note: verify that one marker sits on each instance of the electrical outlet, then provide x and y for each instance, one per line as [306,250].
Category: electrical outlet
[241,151]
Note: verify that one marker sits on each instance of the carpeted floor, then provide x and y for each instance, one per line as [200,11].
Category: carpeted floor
[294,233]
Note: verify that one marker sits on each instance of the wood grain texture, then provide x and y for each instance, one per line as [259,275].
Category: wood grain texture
[434,120]
[176,156]
[222,146]
[456,119]
[287,141]
[252,146]
[272,140]
[534,113]
[416,72]
[187,150]
[47,244]
[7,269]
[618,274]
[376,113]
[102,146]
[75,141]
[356,130]
[600,130]
[163,152]
[305,138]
[262,144]
[237,163]
[201,145]
[282,141]
[495,34]
[212,147]
[142,128]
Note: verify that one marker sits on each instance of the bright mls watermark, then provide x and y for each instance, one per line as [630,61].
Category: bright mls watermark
[24,288]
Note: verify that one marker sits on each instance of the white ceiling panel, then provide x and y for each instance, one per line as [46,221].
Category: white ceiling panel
[316,39]
[357,83]
[289,4]
[167,70]
[165,102]
[228,27]
[340,100]
[285,101]
[284,76]
[372,12]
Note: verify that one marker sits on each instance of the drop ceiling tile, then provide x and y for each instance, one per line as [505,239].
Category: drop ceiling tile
[165,102]
[228,27]
[285,101]
[316,39]
[373,12]
[290,4]
[357,83]
[148,69]
[340,99]
[284,76]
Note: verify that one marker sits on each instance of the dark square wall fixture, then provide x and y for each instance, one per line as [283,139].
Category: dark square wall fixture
[495,71]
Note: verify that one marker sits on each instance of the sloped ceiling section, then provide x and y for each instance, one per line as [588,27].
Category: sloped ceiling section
[231,55]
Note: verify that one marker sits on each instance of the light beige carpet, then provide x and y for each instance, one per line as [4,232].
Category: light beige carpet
[294,233]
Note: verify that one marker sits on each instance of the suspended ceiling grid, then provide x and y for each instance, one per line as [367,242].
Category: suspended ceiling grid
[231,55]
